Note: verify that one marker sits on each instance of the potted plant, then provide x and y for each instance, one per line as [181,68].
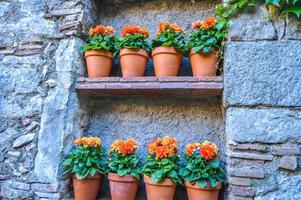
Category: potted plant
[125,169]
[134,50]
[202,172]
[161,169]
[205,43]
[99,51]
[167,49]
[87,165]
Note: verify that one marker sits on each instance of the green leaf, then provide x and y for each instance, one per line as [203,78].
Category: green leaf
[122,172]
[202,183]
[292,9]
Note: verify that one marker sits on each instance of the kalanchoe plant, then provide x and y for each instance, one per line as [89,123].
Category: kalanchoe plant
[123,159]
[162,160]
[208,35]
[202,165]
[170,35]
[134,37]
[86,158]
[101,38]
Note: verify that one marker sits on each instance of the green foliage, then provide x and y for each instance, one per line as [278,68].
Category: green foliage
[133,41]
[85,161]
[160,169]
[169,38]
[233,8]
[101,42]
[208,40]
[285,7]
[125,164]
[198,170]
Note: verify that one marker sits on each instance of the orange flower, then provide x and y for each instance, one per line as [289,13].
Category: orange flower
[163,147]
[88,142]
[190,148]
[208,150]
[163,26]
[209,22]
[132,30]
[197,25]
[101,29]
[124,147]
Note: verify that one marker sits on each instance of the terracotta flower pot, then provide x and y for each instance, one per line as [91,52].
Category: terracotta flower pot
[163,191]
[195,192]
[204,64]
[87,189]
[123,187]
[99,63]
[133,62]
[167,61]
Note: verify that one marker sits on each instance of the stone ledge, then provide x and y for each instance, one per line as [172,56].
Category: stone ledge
[180,85]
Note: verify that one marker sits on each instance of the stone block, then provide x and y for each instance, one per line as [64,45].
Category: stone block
[39,187]
[288,162]
[23,140]
[255,147]
[242,191]
[240,181]
[285,150]
[263,125]
[263,73]
[247,172]
[252,156]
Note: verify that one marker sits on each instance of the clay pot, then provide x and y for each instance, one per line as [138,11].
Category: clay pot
[99,63]
[167,61]
[195,192]
[87,189]
[123,187]
[163,191]
[133,62]
[204,64]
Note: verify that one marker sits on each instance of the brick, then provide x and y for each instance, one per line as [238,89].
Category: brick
[145,86]
[247,172]
[38,187]
[252,156]
[240,181]
[69,25]
[206,85]
[7,52]
[103,79]
[19,185]
[173,85]
[210,78]
[27,52]
[288,162]
[285,150]
[233,197]
[242,191]
[48,195]
[3,46]
[177,79]
[255,147]
[117,86]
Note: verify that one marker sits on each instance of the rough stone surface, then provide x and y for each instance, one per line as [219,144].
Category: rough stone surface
[23,140]
[288,162]
[285,150]
[263,125]
[266,73]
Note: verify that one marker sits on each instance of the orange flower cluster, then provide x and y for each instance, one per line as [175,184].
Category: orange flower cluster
[163,147]
[132,30]
[163,26]
[190,148]
[101,29]
[124,147]
[88,142]
[208,150]
[206,24]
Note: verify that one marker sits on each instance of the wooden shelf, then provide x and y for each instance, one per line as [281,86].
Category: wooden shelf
[177,86]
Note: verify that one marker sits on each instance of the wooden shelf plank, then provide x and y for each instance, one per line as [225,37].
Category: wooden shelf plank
[177,86]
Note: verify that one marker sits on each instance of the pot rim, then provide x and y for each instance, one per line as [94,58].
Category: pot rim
[166,183]
[195,186]
[127,51]
[96,176]
[126,178]
[166,50]
[191,53]
[103,53]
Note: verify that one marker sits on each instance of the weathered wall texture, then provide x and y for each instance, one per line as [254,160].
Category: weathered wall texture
[40,113]
[262,96]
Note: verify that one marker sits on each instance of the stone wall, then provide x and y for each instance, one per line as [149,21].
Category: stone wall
[41,114]
[262,97]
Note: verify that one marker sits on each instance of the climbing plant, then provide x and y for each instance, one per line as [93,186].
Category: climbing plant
[284,7]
